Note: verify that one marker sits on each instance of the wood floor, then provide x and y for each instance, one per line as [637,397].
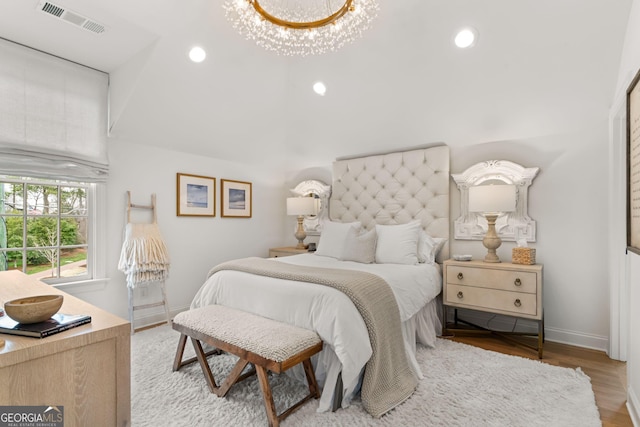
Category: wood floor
[608,377]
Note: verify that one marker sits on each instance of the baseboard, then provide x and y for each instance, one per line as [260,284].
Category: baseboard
[633,406]
[506,323]
[578,339]
[154,316]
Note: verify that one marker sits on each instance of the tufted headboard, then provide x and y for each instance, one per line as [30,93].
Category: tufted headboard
[395,188]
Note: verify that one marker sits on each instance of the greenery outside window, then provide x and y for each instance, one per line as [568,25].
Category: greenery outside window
[45,228]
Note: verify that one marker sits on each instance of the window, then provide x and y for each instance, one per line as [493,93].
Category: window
[45,228]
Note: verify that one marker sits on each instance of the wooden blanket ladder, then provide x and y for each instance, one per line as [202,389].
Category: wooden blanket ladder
[132,306]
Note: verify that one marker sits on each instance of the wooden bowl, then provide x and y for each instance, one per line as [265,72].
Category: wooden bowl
[33,309]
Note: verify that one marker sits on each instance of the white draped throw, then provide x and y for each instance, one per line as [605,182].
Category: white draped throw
[144,258]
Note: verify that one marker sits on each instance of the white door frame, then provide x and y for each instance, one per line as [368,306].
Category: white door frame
[618,272]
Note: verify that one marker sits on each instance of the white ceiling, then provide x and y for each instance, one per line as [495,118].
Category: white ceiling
[540,67]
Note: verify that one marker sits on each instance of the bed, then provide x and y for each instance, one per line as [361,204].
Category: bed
[400,201]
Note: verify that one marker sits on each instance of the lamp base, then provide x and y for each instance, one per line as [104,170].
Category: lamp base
[300,234]
[491,241]
[491,258]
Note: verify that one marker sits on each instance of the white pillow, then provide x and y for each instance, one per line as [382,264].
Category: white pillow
[360,247]
[398,244]
[333,238]
[429,247]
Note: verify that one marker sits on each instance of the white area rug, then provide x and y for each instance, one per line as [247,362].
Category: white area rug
[463,386]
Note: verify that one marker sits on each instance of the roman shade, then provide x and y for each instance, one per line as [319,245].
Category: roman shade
[53,116]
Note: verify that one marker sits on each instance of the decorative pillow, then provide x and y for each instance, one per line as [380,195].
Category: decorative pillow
[333,238]
[360,247]
[429,247]
[398,244]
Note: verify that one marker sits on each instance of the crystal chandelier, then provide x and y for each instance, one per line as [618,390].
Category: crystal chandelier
[301,27]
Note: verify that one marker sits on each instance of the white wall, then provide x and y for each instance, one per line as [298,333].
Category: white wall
[629,274]
[195,244]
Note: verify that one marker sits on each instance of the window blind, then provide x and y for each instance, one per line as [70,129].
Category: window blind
[53,116]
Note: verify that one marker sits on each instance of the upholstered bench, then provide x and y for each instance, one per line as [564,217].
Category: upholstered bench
[267,344]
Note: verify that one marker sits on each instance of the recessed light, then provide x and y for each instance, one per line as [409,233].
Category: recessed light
[466,37]
[197,54]
[320,88]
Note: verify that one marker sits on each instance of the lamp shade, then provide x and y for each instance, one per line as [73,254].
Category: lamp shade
[492,198]
[301,206]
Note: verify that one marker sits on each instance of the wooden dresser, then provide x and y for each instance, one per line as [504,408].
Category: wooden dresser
[84,369]
[502,288]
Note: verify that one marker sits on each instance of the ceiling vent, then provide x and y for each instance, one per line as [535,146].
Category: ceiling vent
[71,17]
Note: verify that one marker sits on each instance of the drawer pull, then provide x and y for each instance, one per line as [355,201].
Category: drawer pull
[460,294]
[518,282]
[517,302]
[460,276]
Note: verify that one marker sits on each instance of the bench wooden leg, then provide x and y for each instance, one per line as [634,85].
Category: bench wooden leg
[234,376]
[206,370]
[177,362]
[267,396]
[314,390]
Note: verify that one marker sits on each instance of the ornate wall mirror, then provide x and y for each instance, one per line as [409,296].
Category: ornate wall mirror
[313,223]
[510,226]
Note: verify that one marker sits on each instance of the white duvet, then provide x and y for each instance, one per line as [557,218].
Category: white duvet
[331,313]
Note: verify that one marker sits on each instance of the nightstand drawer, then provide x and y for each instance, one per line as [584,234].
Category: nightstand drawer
[517,281]
[285,251]
[494,300]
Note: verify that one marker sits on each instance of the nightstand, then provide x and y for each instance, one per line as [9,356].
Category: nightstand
[286,251]
[503,288]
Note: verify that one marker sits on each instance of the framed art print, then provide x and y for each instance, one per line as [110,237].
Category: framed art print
[633,165]
[196,195]
[235,199]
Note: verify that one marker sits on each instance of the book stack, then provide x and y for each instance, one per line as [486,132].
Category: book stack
[59,322]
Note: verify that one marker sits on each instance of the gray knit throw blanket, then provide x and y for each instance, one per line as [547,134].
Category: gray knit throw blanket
[388,379]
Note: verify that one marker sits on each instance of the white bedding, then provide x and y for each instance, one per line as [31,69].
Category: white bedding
[332,314]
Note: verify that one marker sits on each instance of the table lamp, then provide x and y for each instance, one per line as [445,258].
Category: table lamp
[301,206]
[491,201]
